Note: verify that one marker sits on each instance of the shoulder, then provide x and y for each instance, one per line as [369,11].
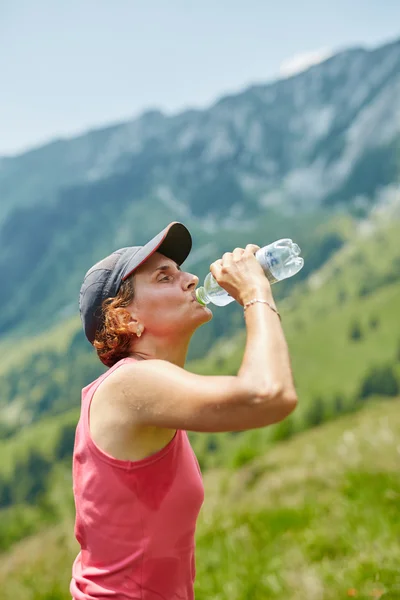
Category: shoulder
[121,392]
[141,370]
[113,423]
[132,381]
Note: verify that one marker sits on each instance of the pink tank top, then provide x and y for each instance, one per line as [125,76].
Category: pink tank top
[135,521]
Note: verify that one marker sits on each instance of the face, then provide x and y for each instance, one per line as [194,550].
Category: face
[164,298]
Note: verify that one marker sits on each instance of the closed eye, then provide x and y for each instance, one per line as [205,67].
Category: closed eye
[167,268]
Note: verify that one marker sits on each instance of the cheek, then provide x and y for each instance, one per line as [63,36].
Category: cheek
[163,319]
[160,306]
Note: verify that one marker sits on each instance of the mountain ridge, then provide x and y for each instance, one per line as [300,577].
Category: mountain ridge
[57,139]
[327,140]
[126,137]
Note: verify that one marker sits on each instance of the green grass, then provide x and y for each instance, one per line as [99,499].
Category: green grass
[313,518]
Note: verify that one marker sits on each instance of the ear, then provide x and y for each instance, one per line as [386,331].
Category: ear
[133,324]
[135,327]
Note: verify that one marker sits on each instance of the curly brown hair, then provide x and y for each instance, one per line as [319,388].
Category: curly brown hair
[113,340]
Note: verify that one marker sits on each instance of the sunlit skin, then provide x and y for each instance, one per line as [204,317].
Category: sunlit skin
[165,310]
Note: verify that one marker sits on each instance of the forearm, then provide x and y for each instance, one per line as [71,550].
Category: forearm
[266,360]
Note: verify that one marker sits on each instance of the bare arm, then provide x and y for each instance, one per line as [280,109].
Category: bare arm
[266,360]
[156,393]
[159,394]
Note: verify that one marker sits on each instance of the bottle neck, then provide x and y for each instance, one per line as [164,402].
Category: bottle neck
[201,296]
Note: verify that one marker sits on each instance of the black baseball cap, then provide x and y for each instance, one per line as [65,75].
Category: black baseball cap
[104,279]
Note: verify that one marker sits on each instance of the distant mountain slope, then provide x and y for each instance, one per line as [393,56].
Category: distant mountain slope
[299,138]
[326,137]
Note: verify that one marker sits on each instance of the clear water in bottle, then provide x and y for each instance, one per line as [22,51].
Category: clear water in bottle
[279,260]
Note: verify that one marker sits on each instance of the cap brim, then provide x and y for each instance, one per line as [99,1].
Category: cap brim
[174,241]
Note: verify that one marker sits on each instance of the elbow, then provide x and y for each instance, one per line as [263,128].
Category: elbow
[281,394]
[280,403]
[288,402]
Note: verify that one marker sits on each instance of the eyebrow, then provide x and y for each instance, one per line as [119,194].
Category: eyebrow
[166,267]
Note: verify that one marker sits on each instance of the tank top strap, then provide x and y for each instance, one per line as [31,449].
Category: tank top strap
[87,397]
[89,391]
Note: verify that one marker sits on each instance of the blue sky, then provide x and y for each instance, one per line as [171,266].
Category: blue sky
[69,66]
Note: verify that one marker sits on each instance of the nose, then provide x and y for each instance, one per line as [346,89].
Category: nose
[192,282]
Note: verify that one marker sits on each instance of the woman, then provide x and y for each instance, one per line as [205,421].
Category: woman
[137,484]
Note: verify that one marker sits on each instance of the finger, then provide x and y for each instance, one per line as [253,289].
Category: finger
[227,257]
[215,267]
[237,253]
[252,248]
[216,263]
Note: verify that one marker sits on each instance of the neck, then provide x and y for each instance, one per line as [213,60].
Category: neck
[169,349]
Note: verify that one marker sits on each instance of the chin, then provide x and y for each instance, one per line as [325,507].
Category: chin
[208,315]
[202,317]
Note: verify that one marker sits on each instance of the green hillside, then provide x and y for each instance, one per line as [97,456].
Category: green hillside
[340,324]
[313,518]
[343,333]
[342,329]
[43,373]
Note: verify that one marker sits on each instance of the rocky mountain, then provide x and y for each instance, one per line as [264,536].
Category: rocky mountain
[324,140]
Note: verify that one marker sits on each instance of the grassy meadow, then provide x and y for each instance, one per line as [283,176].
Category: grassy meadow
[312,518]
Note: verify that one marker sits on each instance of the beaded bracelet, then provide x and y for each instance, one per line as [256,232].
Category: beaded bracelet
[264,302]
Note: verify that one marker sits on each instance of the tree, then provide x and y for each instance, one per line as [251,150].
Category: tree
[5,493]
[316,413]
[373,322]
[65,444]
[212,443]
[30,478]
[283,430]
[338,404]
[355,331]
[380,380]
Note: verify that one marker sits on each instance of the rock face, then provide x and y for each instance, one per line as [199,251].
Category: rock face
[326,137]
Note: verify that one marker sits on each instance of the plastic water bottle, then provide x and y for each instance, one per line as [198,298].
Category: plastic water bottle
[279,260]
